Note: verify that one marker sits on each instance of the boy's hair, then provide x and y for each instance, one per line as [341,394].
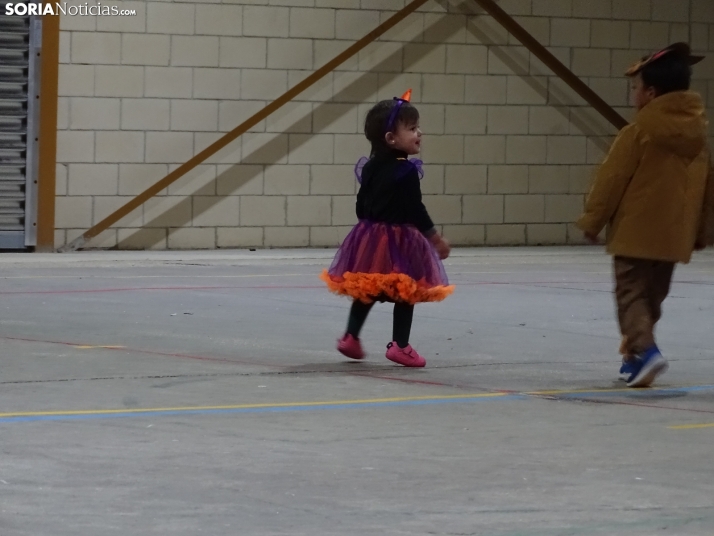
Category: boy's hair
[669,73]
[375,124]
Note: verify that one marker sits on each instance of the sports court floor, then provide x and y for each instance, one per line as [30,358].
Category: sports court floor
[185,393]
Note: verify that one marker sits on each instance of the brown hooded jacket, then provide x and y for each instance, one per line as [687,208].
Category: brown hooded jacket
[655,189]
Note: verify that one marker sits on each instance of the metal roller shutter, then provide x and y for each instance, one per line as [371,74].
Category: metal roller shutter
[18,120]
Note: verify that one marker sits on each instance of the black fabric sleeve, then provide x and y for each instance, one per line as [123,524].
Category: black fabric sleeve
[360,204]
[414,207]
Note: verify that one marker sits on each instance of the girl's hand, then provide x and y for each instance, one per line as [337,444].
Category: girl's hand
[441,246]
[443,249]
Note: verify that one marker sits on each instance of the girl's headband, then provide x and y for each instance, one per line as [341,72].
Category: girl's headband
[681,48]
[395,110]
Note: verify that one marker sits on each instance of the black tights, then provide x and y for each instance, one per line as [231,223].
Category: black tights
[401,326]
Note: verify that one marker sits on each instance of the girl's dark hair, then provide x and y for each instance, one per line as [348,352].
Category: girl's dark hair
[375,125]
[669,73]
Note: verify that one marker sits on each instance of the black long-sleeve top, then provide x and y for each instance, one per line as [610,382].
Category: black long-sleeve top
[390,193]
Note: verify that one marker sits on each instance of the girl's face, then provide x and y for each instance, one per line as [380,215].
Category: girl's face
[406,138]
[640,95]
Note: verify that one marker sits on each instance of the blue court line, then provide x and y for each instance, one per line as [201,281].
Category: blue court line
[629,393]
[340,405]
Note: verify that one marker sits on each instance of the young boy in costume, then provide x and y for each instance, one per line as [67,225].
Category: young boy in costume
[655,192]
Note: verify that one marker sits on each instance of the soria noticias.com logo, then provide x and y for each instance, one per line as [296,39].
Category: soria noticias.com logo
[64,8]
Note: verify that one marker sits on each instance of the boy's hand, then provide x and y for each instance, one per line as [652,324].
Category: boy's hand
[593,239]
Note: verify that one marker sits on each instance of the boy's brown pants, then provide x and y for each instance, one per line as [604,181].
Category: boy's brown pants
[640,288]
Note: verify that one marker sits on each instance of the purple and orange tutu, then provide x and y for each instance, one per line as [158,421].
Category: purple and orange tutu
[387,262]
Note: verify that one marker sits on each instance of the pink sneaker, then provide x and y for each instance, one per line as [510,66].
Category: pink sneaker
[350,346]
[404,356]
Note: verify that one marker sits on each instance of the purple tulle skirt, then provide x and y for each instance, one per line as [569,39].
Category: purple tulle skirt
[386,262]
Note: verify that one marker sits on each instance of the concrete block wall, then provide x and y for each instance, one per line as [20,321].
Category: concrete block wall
[509,148]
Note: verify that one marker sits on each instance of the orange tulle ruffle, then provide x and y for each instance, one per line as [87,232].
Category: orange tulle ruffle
[396,287]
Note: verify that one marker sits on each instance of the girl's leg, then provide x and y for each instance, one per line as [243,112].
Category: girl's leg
[399,350]
[358,315]
[402,327]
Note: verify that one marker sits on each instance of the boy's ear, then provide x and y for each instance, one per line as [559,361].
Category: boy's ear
[389,138]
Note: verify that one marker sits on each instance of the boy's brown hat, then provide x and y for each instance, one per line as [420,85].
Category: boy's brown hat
[682,49]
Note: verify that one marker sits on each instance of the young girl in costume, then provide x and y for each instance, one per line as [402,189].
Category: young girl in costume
[394,253]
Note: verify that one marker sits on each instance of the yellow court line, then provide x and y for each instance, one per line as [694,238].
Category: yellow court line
[254,406]
[691,426]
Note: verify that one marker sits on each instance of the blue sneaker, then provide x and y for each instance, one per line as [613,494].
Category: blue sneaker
[649,365]
[629,368]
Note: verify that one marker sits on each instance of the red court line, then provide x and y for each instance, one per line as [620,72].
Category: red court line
[636,404]
[366,374]
[434,383]
[234,361]
[150,352]
[222,360]
[225,360]
[404,380]
[285,287]
[134,289]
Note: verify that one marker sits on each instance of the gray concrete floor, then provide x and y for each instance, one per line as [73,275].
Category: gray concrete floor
[183,393]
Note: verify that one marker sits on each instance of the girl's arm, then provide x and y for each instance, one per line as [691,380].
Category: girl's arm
[416,211]
[420,216]
[359,207]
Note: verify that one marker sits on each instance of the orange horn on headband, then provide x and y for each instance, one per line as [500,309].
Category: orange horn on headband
[407,96]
